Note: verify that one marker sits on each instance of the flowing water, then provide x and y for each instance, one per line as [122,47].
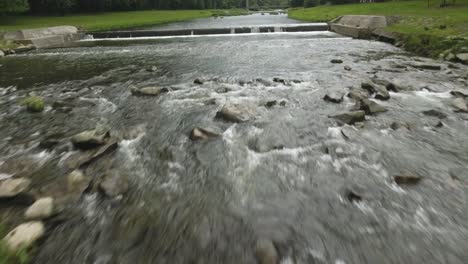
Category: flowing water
[285,175]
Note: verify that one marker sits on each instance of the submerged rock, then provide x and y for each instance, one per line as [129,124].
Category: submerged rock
[77,182]
[370,107]
[89,139]
[235,113]
[381,93]
[459,94]
[24,235]
[426,66]
[152,69]
[202,134]
[42,208]
[350,117]
[347,68]
[114,184]
[265,252]
[460,105]
[148,91]
[270,104]
[354,193]
[435,113]
[406,179]
[397,125]
[13,187]
[198,81]
[336,61]
[279,80]
[334,97]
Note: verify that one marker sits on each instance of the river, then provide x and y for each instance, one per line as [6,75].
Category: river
[323,193]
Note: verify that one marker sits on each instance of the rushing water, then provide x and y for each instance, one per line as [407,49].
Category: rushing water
[282,176]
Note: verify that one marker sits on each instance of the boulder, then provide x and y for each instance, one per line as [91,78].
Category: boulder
[334,97]
[24,235]
[13,187]
[387,84]
[358,94]
[426,66]
[336,61]
[462,57]
[350,117]
[41,209]
[77,182]
[460,105]
[354,193]
[265,252]
[279,80]
[370,107]
[369,87]
[198,81]
[435,113]
[148,91]
[406,179]
[347,68]
[202,134]
[235,113]
[89,139]
[459,94]
[381,93]
[114,184]
[270,104]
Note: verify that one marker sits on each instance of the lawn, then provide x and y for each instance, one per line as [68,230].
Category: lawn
[109,20]
[425,27]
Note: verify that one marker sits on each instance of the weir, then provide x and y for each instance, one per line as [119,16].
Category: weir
[211,31]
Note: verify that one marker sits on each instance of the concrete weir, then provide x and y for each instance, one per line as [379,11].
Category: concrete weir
[363,27]
[51,37]
[210,31]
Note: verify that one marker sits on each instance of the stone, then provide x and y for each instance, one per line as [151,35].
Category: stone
[77,182]
[41,209]
[398,125]
[282,103]
[265,252]
[450,57]
[381,93]
[24,235]
[1,53]
[387,84]
[202,134]
[114,184]
[358,94]
[279,80]
[33,104]
[462,57]
[370,107]
[426,66]
[406,179]
[89,139]
[460,105]
[235,113]
[354,193]
[458,94]
[13,187]
[148,91]
[435,113]
[270,104]
[336,61]
[8,52]
[350,117]
[334,97]
[369,87]
[439,124]
[152,69]
[24,49]
[198,81]
[347,68]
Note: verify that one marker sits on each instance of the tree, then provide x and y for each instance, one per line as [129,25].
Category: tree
[7,6]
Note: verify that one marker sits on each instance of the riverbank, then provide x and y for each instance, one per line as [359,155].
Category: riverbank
[427,31]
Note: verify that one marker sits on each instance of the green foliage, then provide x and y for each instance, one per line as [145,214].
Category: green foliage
[7,6]
[33,104]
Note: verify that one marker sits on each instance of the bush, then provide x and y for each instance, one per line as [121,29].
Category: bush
[33,104]
[311,3]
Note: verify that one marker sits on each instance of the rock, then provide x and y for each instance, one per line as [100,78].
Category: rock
[439,124]
[450,57]
[202,134]
[406,179]
[33,104]
[426,66]
[282,103]
[334,97]
[370,107]
[89,139]
[381,93]
[152,69]
[279,80]
[435,113]
[41,209]
[24,235]
[77,182]
[265,252]
[347,68]
[235,113]
[9,52]
[397,125]
[460,105]
[13,187]
[358,94]
[263,82]
[387,84]
[270,104]
[114,184]
[350,117]
[369,87]
[458,94]
[354,193]
[148,91]
[336,61]
[462,57]
[2,54]
[198,81]
[23,48]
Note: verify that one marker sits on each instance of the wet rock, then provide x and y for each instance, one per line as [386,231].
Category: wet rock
[13,187]
[279,80]
[435,113]
[406,179]
[439,124]
[265,252]
[370,107]
[336,61]
[235,113]
[398,125]
[426,66]
[41,209]
[152,69]
[381,93]
[77,182]
[458,94]
[347,68]
[198,81]
[9,52]
[24,235]
[2,54]
[358,94]
[387,84]
[148,91]
[350,117]
[354,193]
[282,103]
[369,87]
[89,139]
[33,104]
[334,97]
[270,104]
[114,184]
[202,134]
[462,57]
[460,105]
[106,149]
[24,48]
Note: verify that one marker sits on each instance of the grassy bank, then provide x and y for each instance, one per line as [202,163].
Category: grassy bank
[111,20]
[426,30]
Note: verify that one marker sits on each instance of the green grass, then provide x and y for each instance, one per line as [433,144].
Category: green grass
[110,20]
[425,29]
